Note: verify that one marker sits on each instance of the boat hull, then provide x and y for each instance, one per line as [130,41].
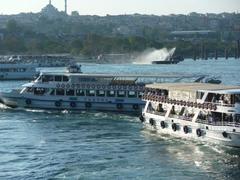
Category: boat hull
[223,135]
[68,103]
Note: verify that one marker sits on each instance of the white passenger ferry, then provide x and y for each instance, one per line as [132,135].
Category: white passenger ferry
[78,91]
[198,111]
[12,71]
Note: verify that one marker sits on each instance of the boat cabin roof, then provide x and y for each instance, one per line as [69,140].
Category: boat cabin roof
[200,87]
[120,75]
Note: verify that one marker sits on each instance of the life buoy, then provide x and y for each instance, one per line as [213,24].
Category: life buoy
[88,105]
[135,106]
[191,104]
[93,86]
[68,86]
[174,102]
[174,127]
[119,106]
[181,103]
[178,102]
[151,121]
[141,118]
[58,85]
[28,101]
[199,132]
[205,106]
[184,103]
[58,103]
[163,124]
[225,134]
[185,129]
[63,85]
[73,104]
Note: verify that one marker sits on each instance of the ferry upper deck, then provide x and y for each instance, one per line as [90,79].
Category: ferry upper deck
[194,87]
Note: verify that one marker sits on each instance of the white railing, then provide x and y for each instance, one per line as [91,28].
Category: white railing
[219,123]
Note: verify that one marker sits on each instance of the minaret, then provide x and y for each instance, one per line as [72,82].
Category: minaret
[65,6]
[50,2]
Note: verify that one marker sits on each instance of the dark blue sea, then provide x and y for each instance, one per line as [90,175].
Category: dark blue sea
[36,144]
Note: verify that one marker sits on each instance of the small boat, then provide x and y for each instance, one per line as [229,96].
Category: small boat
[199,111]
[74,90]
[169,60]
[78,91]
[12,71]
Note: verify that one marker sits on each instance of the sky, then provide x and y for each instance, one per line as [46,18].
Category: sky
[116,7]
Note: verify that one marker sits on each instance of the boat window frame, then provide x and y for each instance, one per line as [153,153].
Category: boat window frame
[61,94]
[80,94]
[60,80]
[52,92]
[119,95]
[100,94]
[140,94]
[132,96]
[68,92]
[39,91]
[109,94]
[88,92]
[65,78]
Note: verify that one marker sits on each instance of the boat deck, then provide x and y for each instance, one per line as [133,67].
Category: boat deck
[193,87]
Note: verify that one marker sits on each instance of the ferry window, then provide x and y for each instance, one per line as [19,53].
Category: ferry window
[140,94]
[237,98]
[58,78]
[60,92]
[52,92]
[47,78]
[237,118]
[29,89]
[100,93]
[111,93]
[70,92]
[80,92]
[90,92]
[39,91]
[121,93]
[200,95]
[65,78]
[132,94]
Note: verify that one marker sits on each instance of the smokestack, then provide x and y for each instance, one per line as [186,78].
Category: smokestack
[65,6]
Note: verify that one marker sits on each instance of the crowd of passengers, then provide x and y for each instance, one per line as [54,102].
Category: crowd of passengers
[215,118]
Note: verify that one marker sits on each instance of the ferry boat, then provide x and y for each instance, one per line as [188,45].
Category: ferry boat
[74,90]
[12,71]
[198,111]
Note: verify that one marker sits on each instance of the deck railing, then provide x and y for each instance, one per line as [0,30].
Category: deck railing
[219,123]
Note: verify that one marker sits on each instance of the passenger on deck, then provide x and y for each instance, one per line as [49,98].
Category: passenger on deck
[159,108]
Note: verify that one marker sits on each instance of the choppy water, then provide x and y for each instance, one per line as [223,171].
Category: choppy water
[96,145]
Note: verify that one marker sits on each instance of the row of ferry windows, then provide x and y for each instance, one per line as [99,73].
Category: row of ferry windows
[79,92]
[48,78]
[12,69]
